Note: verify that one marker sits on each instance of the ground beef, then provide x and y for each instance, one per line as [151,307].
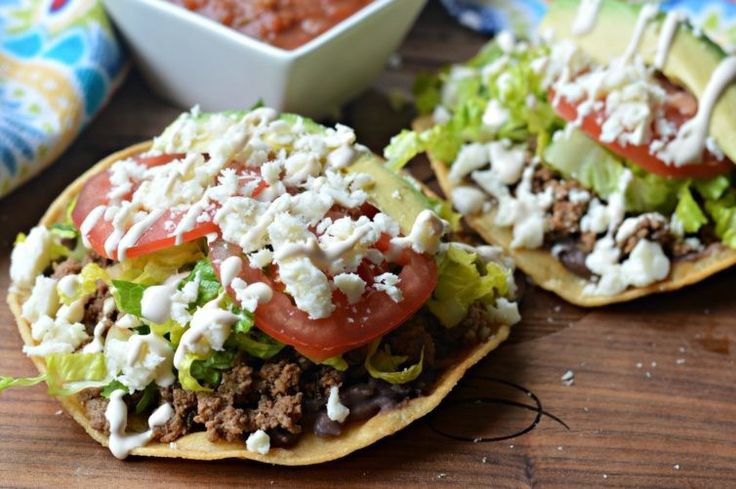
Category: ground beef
[94,407]
[222,421]
[181,423]
[649,228]
[93,310]
[281,412]
[70,266]
[410,340]
[565,215]
[279,379]
[237,384]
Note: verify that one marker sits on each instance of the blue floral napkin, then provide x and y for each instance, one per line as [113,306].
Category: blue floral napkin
[59,62]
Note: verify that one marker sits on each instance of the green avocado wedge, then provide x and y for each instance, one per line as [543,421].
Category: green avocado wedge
[691,61]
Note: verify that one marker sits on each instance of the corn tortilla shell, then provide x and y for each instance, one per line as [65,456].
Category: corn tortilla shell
[550,274]
[310,449]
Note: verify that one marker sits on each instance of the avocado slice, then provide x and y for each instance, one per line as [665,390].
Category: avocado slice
[691,61]
[390,192]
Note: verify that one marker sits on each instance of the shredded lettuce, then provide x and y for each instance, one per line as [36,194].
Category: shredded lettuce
[149,394]
[202,373]
[256,344]
[402,148]
[66,374]
[688,212]
[69,373]
[381,364]
[113,386]
[336,362]
[209,286]
[155,268]
[8,382]
[186,379]
[723,213]
[427,92]
[462,281]
[712,189]
[576,156]
[87,284]
[128,296]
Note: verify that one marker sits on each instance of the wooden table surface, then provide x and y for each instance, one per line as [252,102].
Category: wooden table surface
[653,402]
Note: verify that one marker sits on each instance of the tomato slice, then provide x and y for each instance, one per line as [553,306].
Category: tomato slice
[640,155]
[158,235]
[349,326]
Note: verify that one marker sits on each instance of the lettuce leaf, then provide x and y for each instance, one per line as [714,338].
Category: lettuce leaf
[209,285]
[462,280]
[69,373]
[576,156]
[8,382]
[128,296]
[712,189]
[155,268]
[202,373]
[427,92]
[689,213]
[256,344]
[186,379]
[723,213]
[87,283]
[402,148]
[336,362]
[381,364]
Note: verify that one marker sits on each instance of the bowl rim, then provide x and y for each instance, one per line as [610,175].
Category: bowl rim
[203,22]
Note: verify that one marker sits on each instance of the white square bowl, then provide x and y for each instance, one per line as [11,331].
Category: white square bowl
[190,59]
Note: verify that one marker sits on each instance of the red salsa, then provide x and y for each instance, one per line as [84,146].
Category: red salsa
[284,23]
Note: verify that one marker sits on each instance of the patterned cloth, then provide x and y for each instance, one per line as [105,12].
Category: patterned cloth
[59,62]
[717,17]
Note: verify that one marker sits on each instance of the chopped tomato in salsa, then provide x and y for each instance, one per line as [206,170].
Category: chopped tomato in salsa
[287,24]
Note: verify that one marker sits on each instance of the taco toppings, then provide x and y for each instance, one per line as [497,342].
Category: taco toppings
[607,144]
[250,277]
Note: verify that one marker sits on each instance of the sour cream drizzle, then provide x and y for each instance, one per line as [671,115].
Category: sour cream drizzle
[121,444]
[688,146]
[666,36]
[89,222]
[586,17]
[646,14]
[135,232]
[321,257]
[230,269]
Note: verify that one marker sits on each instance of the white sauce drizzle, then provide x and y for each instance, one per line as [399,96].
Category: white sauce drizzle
[188,222]
[688,146]
[135,232]
[586,17]
[250,296]
[67,284]
[121,444]
[648,11]
[230,269]
[666,36]
[97,345]
[89,222]
[319,256]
